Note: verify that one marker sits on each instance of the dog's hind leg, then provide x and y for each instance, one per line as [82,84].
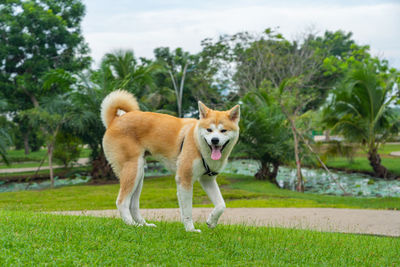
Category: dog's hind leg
[130,176]
[210,185]
[134,208]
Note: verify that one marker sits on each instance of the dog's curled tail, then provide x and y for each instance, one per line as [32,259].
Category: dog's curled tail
[116,100]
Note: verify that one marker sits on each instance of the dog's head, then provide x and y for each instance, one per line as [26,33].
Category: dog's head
[219,130]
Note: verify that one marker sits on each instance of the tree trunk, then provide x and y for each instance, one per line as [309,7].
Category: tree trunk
[50,154]
[101,169]
[265,173]
[300,183]
[375,162]
[26,143]
[327,136]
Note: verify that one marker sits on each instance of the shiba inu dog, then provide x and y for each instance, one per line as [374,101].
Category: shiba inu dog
[195,150]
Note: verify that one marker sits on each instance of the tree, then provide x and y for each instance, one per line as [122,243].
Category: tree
[289,71]
[85,120]
[176,65]
[5,139]
[117,70]
[361,109]
[53,114]
[190,76]
[265,134]
[38,36]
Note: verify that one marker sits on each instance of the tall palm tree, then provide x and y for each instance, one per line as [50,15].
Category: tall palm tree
[128,74]
[361,110]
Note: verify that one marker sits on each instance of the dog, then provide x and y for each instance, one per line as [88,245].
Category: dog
[195,150]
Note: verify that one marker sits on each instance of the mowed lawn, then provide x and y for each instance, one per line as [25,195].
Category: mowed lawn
[360,161]
[238,191]
[29,237]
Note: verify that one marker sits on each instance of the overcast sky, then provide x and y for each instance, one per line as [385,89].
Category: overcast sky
[143,26]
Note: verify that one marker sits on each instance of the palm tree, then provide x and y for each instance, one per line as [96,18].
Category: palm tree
[361,110]
[117,70]
[264,132]
[5,139]
[127,73]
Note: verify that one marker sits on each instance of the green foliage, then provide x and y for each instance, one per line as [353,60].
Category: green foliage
[198,74]
[38,38]
[35,37]
[360,108]
[67,148]
[264,130]
[5,141]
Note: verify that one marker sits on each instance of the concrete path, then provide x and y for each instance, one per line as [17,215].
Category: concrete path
[81,161]
[377,222]
[395,153]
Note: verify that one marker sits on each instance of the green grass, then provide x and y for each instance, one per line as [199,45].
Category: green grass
[42,239]
[16,156]
[238,191]
[362,164]
[26,176]
[387,148]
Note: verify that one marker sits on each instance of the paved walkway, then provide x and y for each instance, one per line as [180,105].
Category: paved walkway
[377,222]
[81,161]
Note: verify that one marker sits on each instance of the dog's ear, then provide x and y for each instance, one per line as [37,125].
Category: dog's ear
[234,114]
[203,110]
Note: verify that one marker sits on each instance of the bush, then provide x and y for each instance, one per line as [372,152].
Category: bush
[67,148]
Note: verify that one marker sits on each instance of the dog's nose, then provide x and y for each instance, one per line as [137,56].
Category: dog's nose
[215,140]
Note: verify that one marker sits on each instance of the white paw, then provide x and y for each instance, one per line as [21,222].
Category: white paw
[129,221]
[194,230]
[211,224]
[150,225]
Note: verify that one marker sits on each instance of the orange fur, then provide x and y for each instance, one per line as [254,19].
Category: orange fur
[130,136]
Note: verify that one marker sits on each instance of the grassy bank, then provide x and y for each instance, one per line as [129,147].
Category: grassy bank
[34,238]
[238,191]
[361,164]
[17,157]
[360,161]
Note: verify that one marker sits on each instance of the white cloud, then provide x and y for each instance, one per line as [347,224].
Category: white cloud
[142,31]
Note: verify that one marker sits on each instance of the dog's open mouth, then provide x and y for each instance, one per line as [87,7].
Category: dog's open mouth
[216,151]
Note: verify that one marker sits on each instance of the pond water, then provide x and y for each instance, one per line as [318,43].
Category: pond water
[13,186]
[151,169]
[318,181]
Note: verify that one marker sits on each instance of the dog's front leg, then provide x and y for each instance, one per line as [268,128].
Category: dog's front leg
[210,185]
[185,198]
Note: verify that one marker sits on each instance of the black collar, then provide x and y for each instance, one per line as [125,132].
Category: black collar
[208,171]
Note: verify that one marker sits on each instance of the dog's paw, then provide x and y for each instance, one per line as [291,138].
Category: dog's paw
[211,224]
[194,230]
[150,225]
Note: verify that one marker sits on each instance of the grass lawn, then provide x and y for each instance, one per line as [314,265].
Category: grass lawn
[28,238]
[26,176]
[238,191]
[362,164]
[17,156]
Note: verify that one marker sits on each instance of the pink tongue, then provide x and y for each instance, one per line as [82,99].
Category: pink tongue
[216,153]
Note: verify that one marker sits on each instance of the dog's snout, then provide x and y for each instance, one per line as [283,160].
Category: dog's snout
[215,140]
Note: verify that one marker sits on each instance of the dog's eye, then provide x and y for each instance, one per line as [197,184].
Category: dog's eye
[223,130]
[209,130]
